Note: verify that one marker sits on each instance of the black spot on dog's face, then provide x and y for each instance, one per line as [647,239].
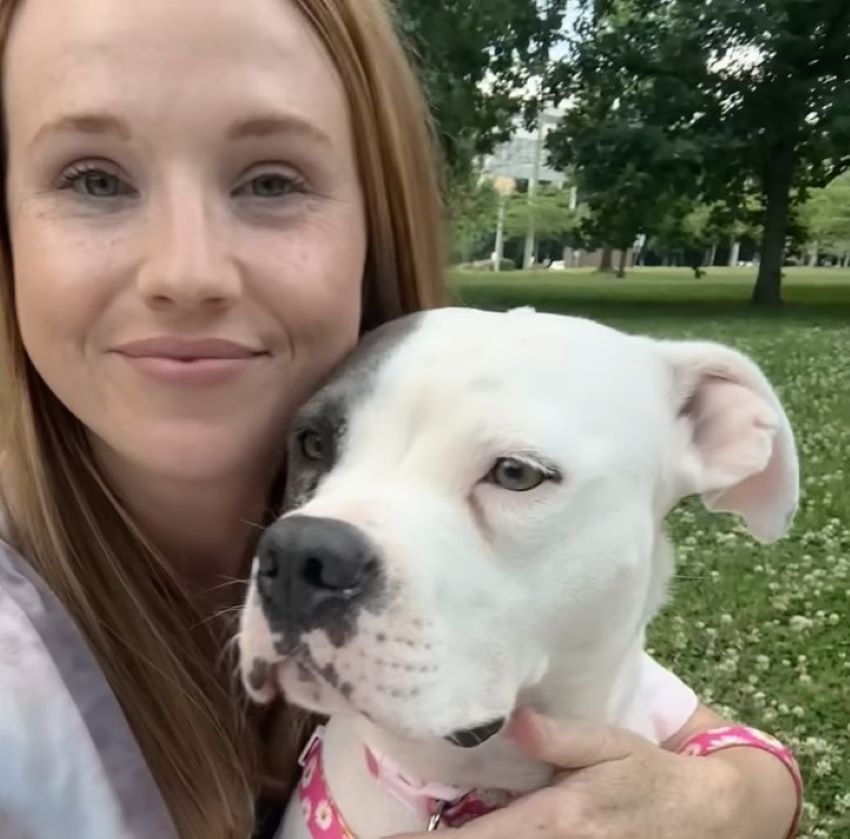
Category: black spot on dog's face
[322,423]
[340,633]
[259,674]
[286,646]
[329,674]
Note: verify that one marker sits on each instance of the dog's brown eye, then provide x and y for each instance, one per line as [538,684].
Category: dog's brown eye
[312,445]
[516,475]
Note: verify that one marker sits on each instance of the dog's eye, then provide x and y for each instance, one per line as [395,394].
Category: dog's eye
[516,475]
[312,445]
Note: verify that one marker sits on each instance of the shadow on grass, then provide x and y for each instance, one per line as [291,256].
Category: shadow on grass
[826,305]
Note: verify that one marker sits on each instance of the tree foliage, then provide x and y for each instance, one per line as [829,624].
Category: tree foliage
[476,60]
[826,216]
[473,208]
[547,212]
[709,100]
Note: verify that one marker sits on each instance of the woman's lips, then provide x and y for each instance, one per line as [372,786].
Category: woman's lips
[190,361]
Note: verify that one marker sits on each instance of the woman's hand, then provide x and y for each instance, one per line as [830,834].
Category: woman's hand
[612,784]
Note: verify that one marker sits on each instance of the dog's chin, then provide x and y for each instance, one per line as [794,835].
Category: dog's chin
[314,694]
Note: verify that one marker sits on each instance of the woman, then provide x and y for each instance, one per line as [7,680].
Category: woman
[207,202]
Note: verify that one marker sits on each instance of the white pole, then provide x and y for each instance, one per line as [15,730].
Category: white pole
[528,252]
[500,236]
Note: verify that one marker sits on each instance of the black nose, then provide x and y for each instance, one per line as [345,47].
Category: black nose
[316,573]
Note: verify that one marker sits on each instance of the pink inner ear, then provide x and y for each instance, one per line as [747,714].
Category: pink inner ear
[728,418]
[735,434]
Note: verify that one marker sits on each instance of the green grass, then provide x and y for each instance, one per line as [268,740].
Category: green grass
[760,632]
[660,290]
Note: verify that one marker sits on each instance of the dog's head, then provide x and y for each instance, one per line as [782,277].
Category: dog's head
[474,498]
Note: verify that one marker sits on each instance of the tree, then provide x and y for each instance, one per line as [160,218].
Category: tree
[617,210]
[695,229]
[472,210]
[548,211]
[632,156]
[476,59]
[826,218]
[711,100]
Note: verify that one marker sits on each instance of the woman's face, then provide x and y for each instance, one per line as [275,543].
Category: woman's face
[187,223]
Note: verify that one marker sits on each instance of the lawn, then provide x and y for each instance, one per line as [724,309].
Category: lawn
[760,632]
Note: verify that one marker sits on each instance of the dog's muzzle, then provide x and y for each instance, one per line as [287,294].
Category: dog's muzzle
[316,573]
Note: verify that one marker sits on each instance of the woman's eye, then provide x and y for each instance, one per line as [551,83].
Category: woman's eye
[91,182]
[516,475]
[269,185]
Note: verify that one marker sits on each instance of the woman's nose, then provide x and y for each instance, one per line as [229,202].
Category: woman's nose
[187,263]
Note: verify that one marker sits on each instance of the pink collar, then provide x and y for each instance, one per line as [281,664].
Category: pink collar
[437,804]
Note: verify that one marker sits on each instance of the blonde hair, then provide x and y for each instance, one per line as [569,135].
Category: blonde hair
[185,710]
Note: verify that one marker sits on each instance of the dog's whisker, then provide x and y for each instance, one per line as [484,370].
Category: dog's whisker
[225,612]
[234,581]
[229,649]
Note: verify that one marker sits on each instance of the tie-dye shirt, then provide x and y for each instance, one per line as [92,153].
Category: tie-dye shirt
[69,764]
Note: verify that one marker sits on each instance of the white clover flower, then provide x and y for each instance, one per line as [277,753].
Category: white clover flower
[800,623]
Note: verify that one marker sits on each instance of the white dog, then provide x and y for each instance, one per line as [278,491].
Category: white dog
[474,523]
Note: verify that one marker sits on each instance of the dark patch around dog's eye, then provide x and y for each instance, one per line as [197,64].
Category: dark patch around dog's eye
[327,413]
[314,446]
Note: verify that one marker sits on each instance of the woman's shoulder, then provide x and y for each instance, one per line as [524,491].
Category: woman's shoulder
[69,765]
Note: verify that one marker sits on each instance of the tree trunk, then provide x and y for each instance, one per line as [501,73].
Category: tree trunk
[606,263]
[735,254]
[665,260]
[621,267]
[777,190]
[712,255]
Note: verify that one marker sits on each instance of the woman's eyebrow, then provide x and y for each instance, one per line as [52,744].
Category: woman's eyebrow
[84,123]
[267,125]
[263,125]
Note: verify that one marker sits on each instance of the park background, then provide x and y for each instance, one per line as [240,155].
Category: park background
[682,168]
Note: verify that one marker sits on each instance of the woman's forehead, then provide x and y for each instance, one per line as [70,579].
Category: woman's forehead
[219,63]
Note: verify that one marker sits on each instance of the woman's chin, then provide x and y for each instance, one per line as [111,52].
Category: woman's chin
[190,456]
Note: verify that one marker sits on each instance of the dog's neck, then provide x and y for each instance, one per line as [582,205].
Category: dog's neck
[371,810]
[601,693]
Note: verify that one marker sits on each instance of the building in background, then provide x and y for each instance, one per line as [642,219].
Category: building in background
[522,165]
[514,161]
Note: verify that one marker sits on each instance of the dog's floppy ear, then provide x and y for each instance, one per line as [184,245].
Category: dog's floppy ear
[734,444]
